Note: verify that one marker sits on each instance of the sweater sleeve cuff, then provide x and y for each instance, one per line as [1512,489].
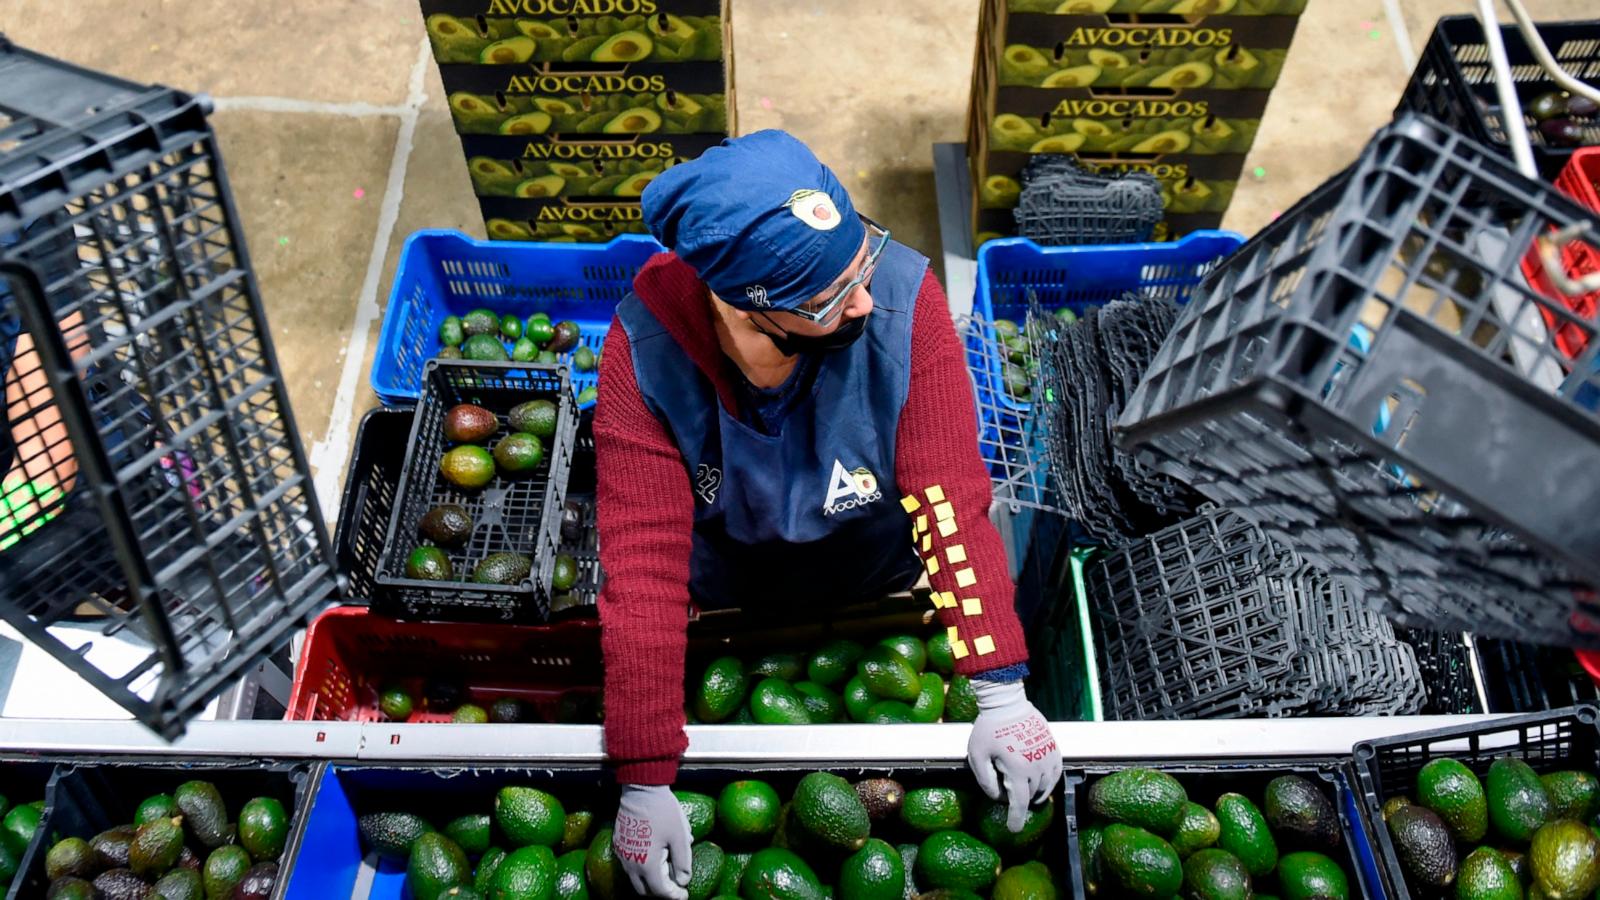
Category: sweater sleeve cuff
[1004,674]
[648,771]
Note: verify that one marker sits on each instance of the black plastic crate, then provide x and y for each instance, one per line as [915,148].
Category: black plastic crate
[1205,780]
[1370,380]
[1388,767]
[1454,83]
[370,486]
[161,487]
[1447,660]
[1524,678]
[84,799]
[510,515]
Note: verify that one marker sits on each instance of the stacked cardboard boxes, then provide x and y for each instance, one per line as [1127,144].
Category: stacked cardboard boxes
[1174,88]
[567,108]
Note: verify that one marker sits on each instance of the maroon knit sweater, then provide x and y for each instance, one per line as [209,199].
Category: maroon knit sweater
[646,511]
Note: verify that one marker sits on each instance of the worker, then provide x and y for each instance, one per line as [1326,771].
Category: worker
[785,423]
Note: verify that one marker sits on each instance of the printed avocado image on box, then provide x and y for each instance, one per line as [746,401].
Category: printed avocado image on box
[671,98]
[1190,8]
[1086,51]
[1080,126]
[501,32]
[538,167]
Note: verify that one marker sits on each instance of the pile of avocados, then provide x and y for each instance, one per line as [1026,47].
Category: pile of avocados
[403,699]
[901,678]
[539,180]
[17,828]
[666,112]
[470,465]
[482,335]
[1512,834]
[180,846]
[1208,135]
[871,840]
[1565,120]
[1020,365]
[1193,8]
[1226,68]
[609,39]
[1147,839]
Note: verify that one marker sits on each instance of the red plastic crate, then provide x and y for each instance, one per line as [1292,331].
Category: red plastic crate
[1580,180]
[350,654]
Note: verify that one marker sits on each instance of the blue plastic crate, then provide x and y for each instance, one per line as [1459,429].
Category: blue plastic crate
[446,273]
[1082,278]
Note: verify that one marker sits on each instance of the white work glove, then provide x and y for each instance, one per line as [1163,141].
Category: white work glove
[1012,747]
[652,841]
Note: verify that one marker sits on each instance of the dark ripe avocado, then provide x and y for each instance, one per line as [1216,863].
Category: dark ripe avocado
[565,338]
[502,568]
[518,454]
[1301,814]
[70,888]
[1548,106]
[1423,843]
[466,423]
[111,847]
[535,417]
[429,564]
[180,884]
[506,710]
[391,834]
[1211,874]
[187,860]
[480,321]
[263,828]
[257,883]
[467,466]
[121,884]
[155,847]
[72,856]
[224,869]
[571,521]
[484,348]
[448,525]
[881,796]
[443,694]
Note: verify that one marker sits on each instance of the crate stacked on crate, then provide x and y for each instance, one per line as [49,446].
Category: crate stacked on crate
[169,540]
[1372,380]
[1175,90]
[1454,83]
[567,111]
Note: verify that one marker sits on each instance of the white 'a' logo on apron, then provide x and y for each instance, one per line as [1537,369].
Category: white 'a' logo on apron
[848,489]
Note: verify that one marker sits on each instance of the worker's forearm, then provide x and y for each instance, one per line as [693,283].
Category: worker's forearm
[946,492]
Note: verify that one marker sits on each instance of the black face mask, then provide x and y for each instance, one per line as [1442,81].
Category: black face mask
[791,344]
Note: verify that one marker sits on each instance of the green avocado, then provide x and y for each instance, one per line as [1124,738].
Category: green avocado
[1517,800]
[502,568]
[1197,830]
[931,809]
[1311,876]
[1487,875]
[263,828]
[775,702]
[528,816]
[1244,833]
[528,873]
[721,690]
[1139,864]
[1573,795]
[1144,798]
[391,834]
[875,872]
[827,807]
[833,662]
[888,675]
[1029,881]
[955,860]
[1450,789]
[1212,874]
[778,874]
[436,865]
[1565,857]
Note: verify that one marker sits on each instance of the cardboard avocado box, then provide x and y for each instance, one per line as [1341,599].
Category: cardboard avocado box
[578,165]
[1036,122]
[636,98]
[1118,51]
[1192,9]
[502,32]
[1189,184]
[561,219]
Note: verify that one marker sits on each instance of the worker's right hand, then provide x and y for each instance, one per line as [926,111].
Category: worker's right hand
[652,841]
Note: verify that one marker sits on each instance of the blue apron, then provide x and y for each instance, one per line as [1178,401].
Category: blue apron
[812,512]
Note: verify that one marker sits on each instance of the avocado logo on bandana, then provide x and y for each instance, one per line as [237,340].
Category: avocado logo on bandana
[848,489]
[814,208]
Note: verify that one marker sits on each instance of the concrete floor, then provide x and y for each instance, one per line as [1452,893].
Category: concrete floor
[339,144]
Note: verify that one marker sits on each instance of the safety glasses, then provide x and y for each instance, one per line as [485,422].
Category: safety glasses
[825,312]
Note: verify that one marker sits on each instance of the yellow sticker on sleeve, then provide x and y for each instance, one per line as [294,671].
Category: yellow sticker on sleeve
[922,522]
[950,632]
[958,649]
[956,553]
[909,504]
[935,493]
[947,527]
[944,511]
[927,543]
[984,645]
[964,577]
[933,565]
[972,606]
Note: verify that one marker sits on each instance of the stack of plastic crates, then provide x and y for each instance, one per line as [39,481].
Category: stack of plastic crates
[1062,204]
[1435,461]
[161,535]
[1210,619]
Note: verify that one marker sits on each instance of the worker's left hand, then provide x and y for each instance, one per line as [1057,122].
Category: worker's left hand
[1011,747]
